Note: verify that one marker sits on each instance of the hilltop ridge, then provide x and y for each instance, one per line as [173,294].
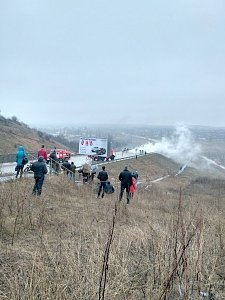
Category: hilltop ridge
[14,133]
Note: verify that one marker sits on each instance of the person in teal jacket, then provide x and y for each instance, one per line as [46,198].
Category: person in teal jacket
[20,155]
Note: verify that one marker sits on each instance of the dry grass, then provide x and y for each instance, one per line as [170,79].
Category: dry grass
[167,244]
[14,134]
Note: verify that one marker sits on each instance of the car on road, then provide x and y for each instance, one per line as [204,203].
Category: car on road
[98,158]
[98,151]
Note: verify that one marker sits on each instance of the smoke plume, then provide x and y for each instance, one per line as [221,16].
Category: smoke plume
[180,147]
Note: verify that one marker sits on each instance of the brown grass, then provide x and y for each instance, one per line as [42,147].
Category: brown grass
[14,134]
[167,244]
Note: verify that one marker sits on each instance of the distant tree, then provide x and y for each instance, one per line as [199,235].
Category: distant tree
[40,133]
[48,137]
[73,145]
[24,125]
[15,119]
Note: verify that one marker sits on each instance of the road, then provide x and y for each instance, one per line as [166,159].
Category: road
[7,170]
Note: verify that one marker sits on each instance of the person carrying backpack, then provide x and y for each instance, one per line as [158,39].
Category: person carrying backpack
[20,162]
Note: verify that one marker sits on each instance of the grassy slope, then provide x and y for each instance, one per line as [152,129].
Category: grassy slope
[52,247]
[13,134]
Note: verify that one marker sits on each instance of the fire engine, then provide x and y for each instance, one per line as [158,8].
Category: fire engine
[61,154]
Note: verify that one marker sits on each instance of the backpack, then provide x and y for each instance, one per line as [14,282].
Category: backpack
[109,189]
[135,175]
[25,161]
[52,155]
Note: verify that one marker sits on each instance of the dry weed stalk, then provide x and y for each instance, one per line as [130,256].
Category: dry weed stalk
[180,256]
[105,267]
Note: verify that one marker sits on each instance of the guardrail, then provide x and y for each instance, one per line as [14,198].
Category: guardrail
[10,157]
[51,168]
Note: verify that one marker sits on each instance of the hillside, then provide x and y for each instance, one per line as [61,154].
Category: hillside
[167,244]
[14,133]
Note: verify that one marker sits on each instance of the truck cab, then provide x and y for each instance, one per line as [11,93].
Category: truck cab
[61,154]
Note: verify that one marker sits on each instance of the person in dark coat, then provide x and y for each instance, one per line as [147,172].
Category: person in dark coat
[40,169]
[54,162]
[73,171]
[125,178]
[20,155]
[103,177]
[66,167]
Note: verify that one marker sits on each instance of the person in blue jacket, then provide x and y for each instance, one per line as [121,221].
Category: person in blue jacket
[20,155]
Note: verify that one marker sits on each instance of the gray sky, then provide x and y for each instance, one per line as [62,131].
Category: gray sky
[90,61]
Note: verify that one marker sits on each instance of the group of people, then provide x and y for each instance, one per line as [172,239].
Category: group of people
[38,167]
[128,183]
[69,169]
[127,179]
[88,172]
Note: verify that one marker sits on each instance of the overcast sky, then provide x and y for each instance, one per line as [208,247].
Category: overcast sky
[97,61]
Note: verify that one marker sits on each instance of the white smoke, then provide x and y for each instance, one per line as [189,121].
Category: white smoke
[180,147]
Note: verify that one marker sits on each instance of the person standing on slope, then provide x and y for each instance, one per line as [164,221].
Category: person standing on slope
[54,164]
[39,168]
[125,178]
[66,167]
[103,177]
[133,185]
[94,169]
[20,155]
[42,152]
[73,171]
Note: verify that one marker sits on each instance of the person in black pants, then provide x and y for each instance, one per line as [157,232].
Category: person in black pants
[125,178]
[39,168]
[103,177]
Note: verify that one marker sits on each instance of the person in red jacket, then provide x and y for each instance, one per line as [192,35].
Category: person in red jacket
[133,186]
[42,152]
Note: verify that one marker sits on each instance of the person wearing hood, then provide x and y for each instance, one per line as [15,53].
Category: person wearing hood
[40,169]
[94,169]
[20,155]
